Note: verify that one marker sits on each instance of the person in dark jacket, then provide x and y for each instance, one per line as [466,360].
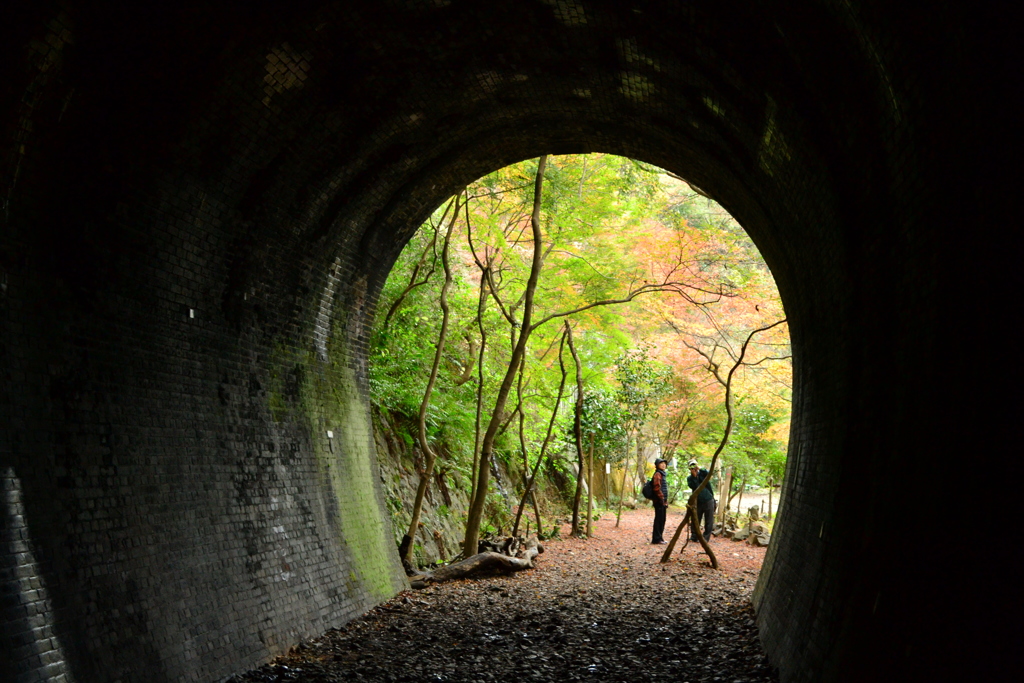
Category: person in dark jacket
[705,501]
[660,500]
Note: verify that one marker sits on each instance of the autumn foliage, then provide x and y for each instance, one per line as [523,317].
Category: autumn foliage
[642,267]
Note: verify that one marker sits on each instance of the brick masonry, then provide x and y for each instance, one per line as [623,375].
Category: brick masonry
[200,207]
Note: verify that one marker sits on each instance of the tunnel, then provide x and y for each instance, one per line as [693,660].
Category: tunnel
[201,204]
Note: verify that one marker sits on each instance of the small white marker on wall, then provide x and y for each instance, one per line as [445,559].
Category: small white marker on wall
[330,434]
[191,313]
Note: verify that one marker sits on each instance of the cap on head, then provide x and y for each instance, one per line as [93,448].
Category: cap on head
[693,463]
[658,461]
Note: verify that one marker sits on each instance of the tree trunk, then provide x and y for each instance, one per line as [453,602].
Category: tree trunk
[590,488]
[481,307]
[467,372]
[727,383]
[667,555]
[732,494]
[536,512]
[479,500]
[739,503]
[522,442]
[479,563]
[622,489]
[429,453]
[641,464]
[544,446]
[577,429]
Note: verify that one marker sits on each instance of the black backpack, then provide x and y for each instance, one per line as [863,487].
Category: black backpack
[648,489]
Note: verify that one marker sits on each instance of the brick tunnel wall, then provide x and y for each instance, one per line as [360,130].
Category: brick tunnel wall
[201,207]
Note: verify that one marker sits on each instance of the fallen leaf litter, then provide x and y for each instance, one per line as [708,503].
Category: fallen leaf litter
[602,609]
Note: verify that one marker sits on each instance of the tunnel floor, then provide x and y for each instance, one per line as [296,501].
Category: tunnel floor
[602,609]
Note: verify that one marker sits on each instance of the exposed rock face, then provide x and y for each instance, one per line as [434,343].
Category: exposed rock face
[442,522]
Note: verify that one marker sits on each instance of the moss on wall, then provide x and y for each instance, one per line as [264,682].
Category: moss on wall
[325,398]
[351,466]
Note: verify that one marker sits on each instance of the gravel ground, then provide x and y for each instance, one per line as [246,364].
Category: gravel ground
[602,609]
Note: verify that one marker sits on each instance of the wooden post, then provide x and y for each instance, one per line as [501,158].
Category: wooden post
[607,487]
[770,484]
[622,489]
[726,484]
[721,486]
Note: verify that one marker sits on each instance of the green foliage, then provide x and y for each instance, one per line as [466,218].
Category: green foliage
[752,453]
[608,224]
[605,418]
[643,383]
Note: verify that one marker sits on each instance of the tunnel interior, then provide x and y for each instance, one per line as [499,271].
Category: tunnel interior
[201,206]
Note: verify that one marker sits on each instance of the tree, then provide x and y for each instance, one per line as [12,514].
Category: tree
[528,488]
[725,379]
[604,424]
[641,383]
[429,454]
[476,507]
[613,234]
[671,279]
[577,432]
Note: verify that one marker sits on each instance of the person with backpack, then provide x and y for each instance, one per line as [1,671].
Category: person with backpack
[660,485]
[705,501]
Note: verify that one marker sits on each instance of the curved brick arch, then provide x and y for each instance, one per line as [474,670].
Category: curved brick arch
[201,206]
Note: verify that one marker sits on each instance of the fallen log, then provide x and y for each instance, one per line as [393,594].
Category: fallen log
[481,563]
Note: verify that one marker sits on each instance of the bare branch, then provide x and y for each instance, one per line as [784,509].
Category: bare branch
[413,282]
[692,502]
[767,358]
[677,287]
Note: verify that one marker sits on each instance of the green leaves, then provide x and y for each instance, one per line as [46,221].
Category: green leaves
[609,224]
[643,381]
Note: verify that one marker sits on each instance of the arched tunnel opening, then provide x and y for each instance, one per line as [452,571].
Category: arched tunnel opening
[200,209]
[644,283]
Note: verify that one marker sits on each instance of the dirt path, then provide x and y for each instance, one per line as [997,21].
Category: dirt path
[602,609]
[752,498]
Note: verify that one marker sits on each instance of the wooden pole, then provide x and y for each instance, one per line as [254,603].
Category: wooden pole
[607,488]
[721,486]
[726,483]
[622,489]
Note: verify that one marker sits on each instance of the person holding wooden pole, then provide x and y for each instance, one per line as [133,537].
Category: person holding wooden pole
[660,501]
[705,501]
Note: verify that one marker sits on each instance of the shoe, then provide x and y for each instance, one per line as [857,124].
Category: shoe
[661,543]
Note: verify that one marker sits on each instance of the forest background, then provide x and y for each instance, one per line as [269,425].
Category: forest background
[657,282]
